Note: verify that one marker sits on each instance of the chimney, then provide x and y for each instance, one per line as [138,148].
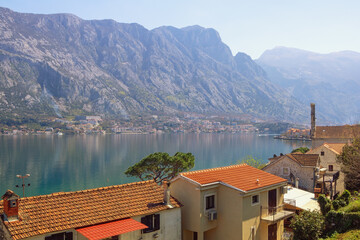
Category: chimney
[297,182]
[167,194]
[11,206]
[312,130]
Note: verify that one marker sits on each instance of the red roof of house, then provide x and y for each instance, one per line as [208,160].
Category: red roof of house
[67,210]
[242,177]
[115,228]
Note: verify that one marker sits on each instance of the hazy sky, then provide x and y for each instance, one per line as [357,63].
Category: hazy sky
[250,26]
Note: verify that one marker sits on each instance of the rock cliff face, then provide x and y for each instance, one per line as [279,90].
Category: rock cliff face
[332,81]
[61,64]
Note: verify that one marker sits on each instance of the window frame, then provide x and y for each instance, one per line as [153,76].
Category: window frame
[288,171]
[206,196]
[258,200]
[152,221]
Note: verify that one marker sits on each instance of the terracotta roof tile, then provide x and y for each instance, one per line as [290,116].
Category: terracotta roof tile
[242,176]
[340,132]
[61,211]
[309,160]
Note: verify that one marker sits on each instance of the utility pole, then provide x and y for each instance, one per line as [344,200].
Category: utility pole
[23,182]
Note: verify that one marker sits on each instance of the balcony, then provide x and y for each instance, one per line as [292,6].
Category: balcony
[274,214]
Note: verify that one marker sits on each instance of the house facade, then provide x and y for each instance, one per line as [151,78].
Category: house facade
[235,202]
[328,153]
[299,169]
[141,210]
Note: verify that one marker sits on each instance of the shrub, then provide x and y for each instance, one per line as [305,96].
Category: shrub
[307,225]
[325,204]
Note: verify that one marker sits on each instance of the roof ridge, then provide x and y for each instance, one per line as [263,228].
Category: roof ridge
[213,169]
[89,190]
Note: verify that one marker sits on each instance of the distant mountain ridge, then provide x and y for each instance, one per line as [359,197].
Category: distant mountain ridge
[332,81]
[61,64]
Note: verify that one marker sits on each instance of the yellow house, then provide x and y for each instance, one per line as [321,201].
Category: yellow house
[141,210]
[234,202]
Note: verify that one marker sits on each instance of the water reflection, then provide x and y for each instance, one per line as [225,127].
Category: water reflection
[69,163]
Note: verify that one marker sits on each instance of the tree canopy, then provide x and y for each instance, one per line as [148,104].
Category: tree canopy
[254,162]
[307,225]
[300,149]
[161,166]
[350,159]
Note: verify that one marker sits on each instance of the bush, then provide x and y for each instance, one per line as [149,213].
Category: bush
[325,204]
[307,225]
[341,221]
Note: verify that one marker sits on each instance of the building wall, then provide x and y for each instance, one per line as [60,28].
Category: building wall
[305,174]
[189,196]
[329,158]
[230,215]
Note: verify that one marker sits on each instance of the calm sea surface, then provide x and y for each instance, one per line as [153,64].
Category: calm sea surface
[69,163]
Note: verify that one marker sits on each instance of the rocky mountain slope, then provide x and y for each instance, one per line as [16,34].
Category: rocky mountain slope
[61,64]
[332,81]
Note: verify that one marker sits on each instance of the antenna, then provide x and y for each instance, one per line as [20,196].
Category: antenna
[23,182]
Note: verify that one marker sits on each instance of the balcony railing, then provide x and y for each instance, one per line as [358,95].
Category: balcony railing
[274,214]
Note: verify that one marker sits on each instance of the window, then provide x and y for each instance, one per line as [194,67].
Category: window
[322,153]
[286,171]
[331,168]
[152,221]
[255,200]
[195,236]
[210,202]
[60,236]
[12,203]
[112,238]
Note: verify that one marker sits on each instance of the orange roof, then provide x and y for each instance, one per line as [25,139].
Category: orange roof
[309,160]
[242,176]
[62,211]
[339,132]
[115,228]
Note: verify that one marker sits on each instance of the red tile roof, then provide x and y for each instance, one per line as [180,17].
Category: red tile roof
[307,160]
[337,132]
[62,211]
[242,177]
[110,229]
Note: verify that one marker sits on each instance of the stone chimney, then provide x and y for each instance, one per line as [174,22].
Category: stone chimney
[11,206]
[312,130]
[167,194]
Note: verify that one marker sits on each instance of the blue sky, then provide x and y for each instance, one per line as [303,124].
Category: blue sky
[250,26]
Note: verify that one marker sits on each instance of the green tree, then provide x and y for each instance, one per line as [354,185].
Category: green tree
[350,160]
[251,161]
[300,149]
[307,225]
[161,166]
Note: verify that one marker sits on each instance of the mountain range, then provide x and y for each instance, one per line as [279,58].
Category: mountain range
[331,81]
[60,64]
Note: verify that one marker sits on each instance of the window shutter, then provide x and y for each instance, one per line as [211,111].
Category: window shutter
[145,220]
[69,236]
[156,222]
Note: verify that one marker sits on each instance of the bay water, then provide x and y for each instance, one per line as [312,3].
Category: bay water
[78,162]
